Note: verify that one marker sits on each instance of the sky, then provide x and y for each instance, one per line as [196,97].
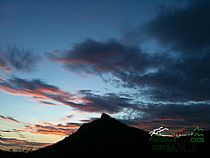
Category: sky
[63,63]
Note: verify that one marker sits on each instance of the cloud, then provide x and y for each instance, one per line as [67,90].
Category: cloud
[107,103]
[179,73]
[46,94]
[186,32]
[9,119]
[53,129]
[97,57]
[3,63]
[1,79]
[46,103]
[40,91]
[126,63]
[11,131]
[13,142]
[186,28]
[173,116]
[14,58]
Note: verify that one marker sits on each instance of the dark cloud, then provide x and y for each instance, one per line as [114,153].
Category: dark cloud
[191,114]
[89,120]
[168,78]
[14,58]
[186,32]
[3,63]
[97,57]
[173,116]
[181,73]
[11,131]
[126,63]
[1,79]
[9,119]
[46,103]
[107,103]
[186,29]
[182,79]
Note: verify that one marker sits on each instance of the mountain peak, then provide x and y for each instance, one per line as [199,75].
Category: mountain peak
[105,116]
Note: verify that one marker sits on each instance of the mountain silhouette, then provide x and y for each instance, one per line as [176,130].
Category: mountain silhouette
[108,137]
[102,136]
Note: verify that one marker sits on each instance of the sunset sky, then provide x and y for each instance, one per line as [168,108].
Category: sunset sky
[63,63]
